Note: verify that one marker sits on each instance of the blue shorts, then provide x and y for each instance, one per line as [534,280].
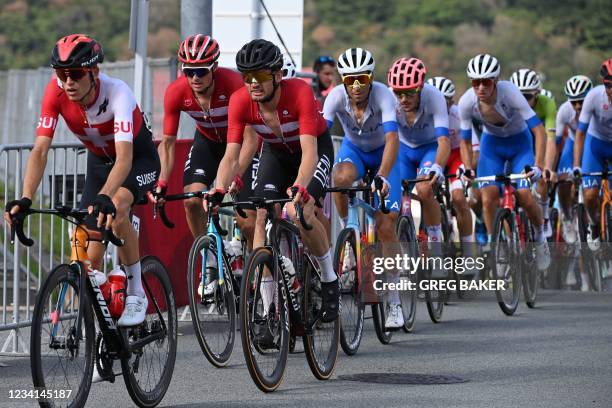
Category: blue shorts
[594,156]
[495,151]
[416,161]
[371,160]
[566,162]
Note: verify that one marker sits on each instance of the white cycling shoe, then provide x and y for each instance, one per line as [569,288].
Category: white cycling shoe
[542,255]
[134,312]
[594,243]
[568,231]
[395,319]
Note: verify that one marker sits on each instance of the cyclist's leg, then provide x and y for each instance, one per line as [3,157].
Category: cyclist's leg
[200,171]
[594,158]
[430,207]
[491,162]
[564,191]
[463,213]
[348,167]
[247,225]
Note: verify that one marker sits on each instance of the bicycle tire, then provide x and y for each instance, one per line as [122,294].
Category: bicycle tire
[504,218]
[158,289]
[249,307]
[408,298]
[61,275]
[353,309]
[435,299]
[321,350]
[379,316]
[530,272]
[217,349]
[588,260]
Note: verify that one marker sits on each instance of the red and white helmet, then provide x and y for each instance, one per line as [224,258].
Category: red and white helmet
[199,49]
[606,68]
[406,73]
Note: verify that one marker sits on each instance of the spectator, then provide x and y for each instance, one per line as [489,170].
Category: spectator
[327,77]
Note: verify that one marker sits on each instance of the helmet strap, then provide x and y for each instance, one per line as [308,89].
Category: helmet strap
[92,86]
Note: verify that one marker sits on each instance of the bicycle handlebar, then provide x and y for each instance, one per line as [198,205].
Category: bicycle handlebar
[64,212]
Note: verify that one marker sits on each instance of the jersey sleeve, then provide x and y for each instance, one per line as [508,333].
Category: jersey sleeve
[123,107]
[439,111]
[330,106]
[587,112]
[465,117]
[50,111]
[172,112]
[388,112]
[307,110]
[518,102]
[236,117]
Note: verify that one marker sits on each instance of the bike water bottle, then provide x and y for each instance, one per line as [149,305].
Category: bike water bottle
[287,265]
[117,281]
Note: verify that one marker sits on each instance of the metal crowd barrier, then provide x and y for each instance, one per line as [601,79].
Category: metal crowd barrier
[24,269]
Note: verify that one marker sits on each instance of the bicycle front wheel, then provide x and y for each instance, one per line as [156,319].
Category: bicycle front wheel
[505,261]
[321,339]
[380,312]
[408,298]
[61,357]
[264,327]
[148,370]
[212,305]
[351,316]
[588,258]
[530,273]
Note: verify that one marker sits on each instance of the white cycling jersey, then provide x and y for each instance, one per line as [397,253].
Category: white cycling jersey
[379,117]
[454,130]
[566,116]
[431,119]
[596,114]
[511,105]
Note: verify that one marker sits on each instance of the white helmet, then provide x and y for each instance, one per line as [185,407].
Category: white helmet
[546,92]
[577,87]
[288,69]
[527,80]
[444,85]
[483,66]
[355,60]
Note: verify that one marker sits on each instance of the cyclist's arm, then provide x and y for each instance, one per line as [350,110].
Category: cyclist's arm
[120,170]
[228,167]
[551,144]
[583,124]
[236,124]
[540,144]
[466,132]
[441,123]
[249,148]
[310,157]
[388,104]
[36,166]
[166,151]
[172,117]
[551,153]
[465,149]
[389,154]
[518,101]
[443,151]
[578,147]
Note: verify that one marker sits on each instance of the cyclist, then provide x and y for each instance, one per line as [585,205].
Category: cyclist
[455,161]
[595,121]
[506,118]
[325,68]
[576,89]
[297,152]
[122,163]
[425,146]
[366,112]
[528,82]
[203,92]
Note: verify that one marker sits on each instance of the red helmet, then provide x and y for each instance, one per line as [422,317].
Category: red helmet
[76,51]
[199,49]
[406,73]
[606,68]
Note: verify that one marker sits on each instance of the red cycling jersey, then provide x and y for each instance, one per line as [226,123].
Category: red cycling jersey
[113,117]
[212,124]
[297,112]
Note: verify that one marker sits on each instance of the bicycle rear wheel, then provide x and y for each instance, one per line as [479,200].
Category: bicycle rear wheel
[407,237]
[60,359]
[320,341]
[351,316]
[214,314]
[148,370]
[379,316]
[266,364]
[505,260]
[530,272]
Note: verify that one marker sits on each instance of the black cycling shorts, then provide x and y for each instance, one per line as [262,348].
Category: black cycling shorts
[278,170]
[142,177]
[203,160]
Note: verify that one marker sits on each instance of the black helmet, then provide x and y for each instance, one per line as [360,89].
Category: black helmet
[76,51]
[259,54]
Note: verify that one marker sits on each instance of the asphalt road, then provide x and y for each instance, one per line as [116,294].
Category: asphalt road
[557,355]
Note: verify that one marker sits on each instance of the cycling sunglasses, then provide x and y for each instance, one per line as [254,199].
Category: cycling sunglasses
[577,102]
[486,82]
[529,96]
[73,73]
[257,76]
[407,92]
[357,80]
[200,72]
[324,58]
